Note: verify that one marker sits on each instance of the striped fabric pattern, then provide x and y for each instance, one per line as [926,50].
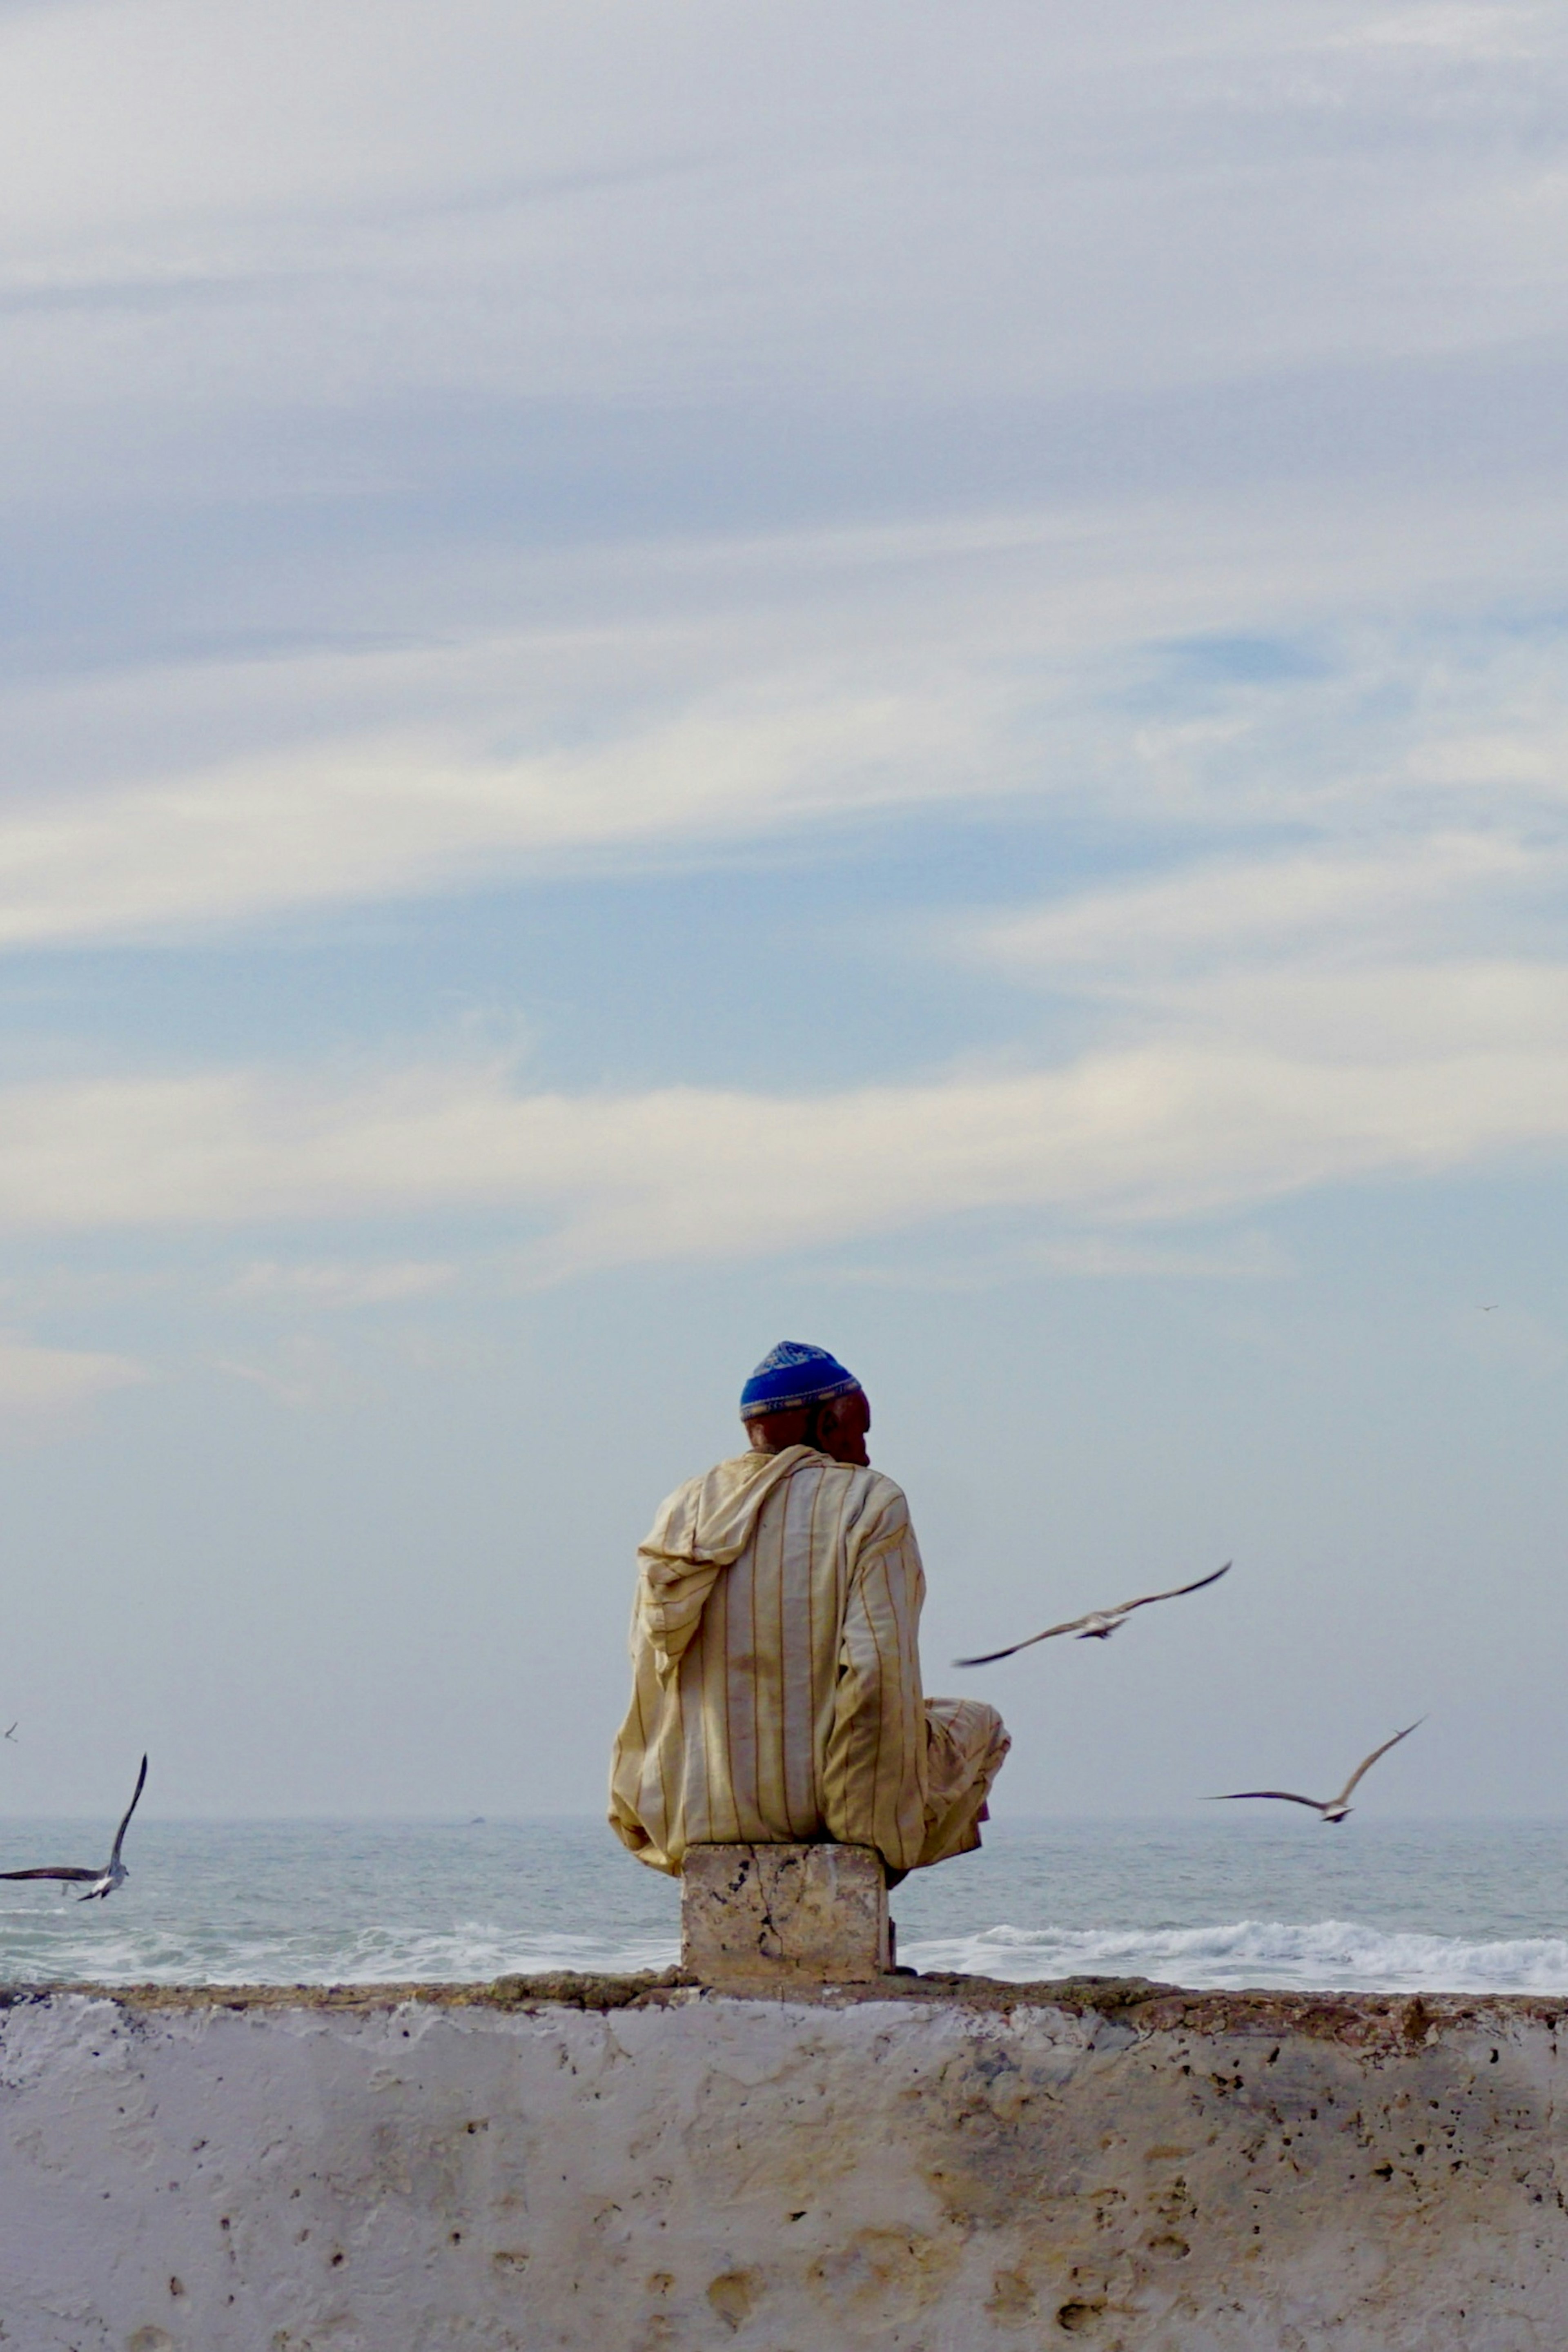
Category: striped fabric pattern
[776,1681]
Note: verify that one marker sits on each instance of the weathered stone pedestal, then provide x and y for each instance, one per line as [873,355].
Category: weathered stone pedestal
[783,1914]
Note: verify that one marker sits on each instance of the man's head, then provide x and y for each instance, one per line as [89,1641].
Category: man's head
[803,1396]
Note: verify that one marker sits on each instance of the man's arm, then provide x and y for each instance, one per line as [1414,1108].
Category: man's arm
[875,1772]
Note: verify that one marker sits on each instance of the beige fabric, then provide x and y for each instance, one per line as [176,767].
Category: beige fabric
[966,1745]
[776,1682]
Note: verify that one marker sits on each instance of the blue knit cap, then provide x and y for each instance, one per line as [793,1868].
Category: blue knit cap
[793,1374]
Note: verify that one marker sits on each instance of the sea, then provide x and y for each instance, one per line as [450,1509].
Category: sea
[1459,1906]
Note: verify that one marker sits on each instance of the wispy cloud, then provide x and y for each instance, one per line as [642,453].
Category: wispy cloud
[340,1282]
[1242,1257]
[302,1375]
[533,751]
[365,819]
[1324,967]
[42,1382]
[1315,904]
[1458,27]
[298,133]
[1171,1129]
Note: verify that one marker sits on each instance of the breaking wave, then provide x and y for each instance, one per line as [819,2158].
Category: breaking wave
[462,1954]
[1460,1907]
[1315,1956]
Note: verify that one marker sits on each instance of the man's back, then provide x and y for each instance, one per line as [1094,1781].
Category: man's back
[776,1692]
[775,1664]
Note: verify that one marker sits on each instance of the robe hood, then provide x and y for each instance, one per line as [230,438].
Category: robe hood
[704,1526]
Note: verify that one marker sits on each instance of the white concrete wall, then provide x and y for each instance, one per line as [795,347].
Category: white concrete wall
[1193,2174]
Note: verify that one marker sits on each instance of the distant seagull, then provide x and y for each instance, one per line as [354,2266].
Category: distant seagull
[1099,1624]
[1491,1309]
[11,1733]
[1337,1807]
[113,1875]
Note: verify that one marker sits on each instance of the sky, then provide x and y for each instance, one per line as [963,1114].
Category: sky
[676,676]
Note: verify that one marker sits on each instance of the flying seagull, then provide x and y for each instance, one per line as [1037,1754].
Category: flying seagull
[1099,1624]
[1335,1808]
[11,1733]
[114,1873]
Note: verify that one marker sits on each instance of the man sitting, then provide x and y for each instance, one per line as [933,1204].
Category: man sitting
[776,1680]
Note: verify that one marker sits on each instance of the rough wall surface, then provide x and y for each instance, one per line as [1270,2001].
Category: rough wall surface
[940,2169]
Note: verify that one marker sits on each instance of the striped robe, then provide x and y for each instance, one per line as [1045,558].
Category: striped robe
[776,1682]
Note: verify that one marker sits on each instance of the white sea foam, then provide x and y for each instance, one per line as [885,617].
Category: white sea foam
[1320,1955]
[1324,1954]
[463,1953]
[1465,1907]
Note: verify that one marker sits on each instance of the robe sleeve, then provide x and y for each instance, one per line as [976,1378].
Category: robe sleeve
[874,1779]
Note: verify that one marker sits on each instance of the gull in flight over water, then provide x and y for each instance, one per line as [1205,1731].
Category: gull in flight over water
[1333,1808]
[1099,1624]
[114,1873]
[11,1733]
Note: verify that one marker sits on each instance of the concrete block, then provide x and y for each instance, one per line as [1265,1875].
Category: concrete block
[776,1913]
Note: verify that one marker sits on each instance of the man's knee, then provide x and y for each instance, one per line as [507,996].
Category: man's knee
[995,1730]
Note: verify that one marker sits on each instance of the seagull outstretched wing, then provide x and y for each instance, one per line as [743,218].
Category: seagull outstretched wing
[125,1817]
[52,1870]
[1068,1625]
[1287,1795]
[1097,1616]
[1367,1762]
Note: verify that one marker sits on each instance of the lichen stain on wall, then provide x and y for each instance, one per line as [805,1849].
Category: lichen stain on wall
[944,2168]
